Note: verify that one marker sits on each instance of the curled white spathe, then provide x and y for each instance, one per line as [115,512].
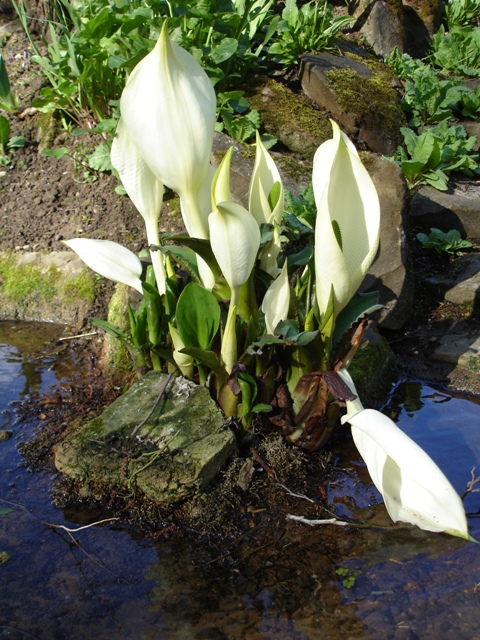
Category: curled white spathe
[109,260]
[277,301]
[413,487]
[235,240]
[168,106]
[348,220]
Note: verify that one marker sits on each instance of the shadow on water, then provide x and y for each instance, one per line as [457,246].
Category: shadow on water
[286,581]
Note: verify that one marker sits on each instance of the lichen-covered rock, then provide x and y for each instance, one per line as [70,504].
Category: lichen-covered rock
[359,94]
[176,451]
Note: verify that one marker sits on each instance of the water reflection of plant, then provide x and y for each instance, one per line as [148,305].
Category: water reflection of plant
[226,307]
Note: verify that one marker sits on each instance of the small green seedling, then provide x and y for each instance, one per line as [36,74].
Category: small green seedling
[450,242]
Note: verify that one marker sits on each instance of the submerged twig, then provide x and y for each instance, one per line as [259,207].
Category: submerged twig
[471,483]
[82,335]
[334,521]
[314,523]
[155,404]
[86,526]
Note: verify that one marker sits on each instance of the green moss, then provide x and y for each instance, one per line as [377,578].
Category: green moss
[473,364]
[20,282]
[83,286]
[373,369]
[289,116]
[370,101]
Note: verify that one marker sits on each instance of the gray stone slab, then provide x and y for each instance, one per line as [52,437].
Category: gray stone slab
[177,451]
[459,209]
[461,350]
[461,284]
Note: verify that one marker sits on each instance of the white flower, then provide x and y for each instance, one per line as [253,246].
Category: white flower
[277,301]
[414,489]
[235,240]
[144,190]
[266,188]
[169,109]
[348,220]
[110,260]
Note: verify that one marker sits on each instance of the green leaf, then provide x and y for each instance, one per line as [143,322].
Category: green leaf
[210,360]
[17,142]
[223,51]
[56,153]
[5,510]
[198,316]
[99,160]
[201,247]
[4,131]
[154,306]
[360,305]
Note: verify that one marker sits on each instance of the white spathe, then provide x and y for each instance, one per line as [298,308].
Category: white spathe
[346,200]
[265,175]
[413,487]
[109,260]
[144,190]
[277,301]
[235,240]
[169,109]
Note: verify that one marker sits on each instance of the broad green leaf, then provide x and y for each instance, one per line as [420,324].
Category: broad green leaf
[5,510]
[223,51]
[99,160]
[360,305]
[201,247]
[198,316]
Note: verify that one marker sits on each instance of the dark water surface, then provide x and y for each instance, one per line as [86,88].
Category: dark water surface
[110,582]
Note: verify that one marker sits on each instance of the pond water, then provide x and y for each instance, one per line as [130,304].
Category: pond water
[298,582]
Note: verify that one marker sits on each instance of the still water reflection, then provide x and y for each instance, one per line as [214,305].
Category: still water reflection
[111,582]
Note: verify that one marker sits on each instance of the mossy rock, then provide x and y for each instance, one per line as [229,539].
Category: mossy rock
[54,287]
[289,116]
[164,446]
[373,369]
[360,94]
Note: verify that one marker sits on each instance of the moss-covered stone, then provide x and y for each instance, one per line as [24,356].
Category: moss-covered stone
[372,103]
[289,117]
[116,360]
[373,369]
[52,287]
[164,443]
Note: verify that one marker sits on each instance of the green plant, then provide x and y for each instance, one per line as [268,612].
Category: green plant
[429,99]
[462,13]
[236,118]
[457,52]
[402,64]
[428,158]
[6,142]
[8,101]
[310,28]
[444,242]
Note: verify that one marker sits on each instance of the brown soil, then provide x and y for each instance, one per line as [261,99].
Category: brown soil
[44,200]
